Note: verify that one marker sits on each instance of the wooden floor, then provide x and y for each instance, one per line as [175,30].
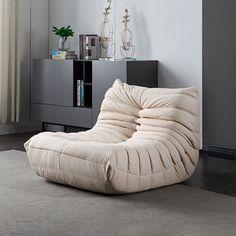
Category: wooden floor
[213,174]
[14,141]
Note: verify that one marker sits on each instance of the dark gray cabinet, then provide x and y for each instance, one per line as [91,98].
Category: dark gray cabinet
[50,78]
[54,87]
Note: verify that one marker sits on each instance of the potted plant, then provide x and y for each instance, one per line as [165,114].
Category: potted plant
[64,33]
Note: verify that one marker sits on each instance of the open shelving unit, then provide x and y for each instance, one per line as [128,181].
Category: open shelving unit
[82,74]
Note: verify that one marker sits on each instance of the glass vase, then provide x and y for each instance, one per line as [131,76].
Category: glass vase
[63,44]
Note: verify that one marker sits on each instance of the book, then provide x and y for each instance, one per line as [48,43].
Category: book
[70,53]
[54,52]
[63,55]
[80,93]
[71,57]
[89,47]
[80,46]
[91,53]
[59,57]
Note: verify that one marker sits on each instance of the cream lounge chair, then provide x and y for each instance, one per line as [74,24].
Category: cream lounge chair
[144,138]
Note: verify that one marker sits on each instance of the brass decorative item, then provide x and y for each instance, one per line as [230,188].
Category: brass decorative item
[127,49]
[107,44]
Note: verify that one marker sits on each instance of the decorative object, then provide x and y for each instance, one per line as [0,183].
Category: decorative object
[107,44]
[63,55]
[89,47]
[64,33]
[127,49]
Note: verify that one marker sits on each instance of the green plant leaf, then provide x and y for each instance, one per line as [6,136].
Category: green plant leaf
[63,31]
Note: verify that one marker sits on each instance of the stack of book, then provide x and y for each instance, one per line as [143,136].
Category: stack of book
[70,55]
[63,55]
[89,47]
[80,93]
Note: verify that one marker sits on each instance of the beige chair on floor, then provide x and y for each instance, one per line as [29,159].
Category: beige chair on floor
[144,138]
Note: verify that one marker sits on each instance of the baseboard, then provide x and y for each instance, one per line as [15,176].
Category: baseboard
[19,128]
[222,152]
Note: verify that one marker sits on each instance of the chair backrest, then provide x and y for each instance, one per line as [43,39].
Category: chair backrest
[143,112]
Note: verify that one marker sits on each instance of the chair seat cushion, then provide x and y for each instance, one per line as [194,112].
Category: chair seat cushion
[143,139]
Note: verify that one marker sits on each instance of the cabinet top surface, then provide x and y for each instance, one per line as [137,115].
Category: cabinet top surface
[117,60]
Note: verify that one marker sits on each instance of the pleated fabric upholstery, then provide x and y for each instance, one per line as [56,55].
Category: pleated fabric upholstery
[144,138]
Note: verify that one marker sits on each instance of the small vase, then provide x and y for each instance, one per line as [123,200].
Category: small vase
[63,44]
[107,43]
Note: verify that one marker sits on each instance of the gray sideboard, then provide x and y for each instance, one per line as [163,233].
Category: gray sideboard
[54,87]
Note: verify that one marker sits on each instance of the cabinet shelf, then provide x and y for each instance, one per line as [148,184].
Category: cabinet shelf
[83,84]
[87,107]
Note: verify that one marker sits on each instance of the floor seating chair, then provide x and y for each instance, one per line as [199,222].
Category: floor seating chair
[144,138]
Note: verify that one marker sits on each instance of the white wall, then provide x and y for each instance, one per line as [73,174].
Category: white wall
[33,28]
[39,29]
[170,31]
[167,30]
[83,16]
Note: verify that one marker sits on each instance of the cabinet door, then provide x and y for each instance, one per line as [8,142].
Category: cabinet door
[72,116]
[52,82]
[142,73]
[104,75]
